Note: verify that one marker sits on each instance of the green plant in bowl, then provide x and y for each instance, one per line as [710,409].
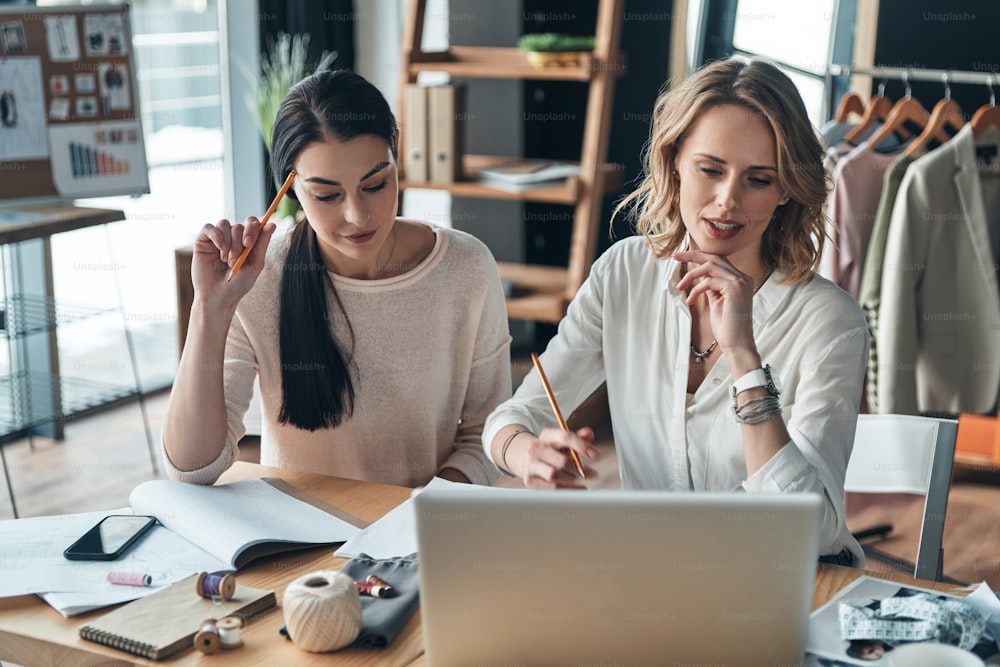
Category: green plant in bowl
[546,49]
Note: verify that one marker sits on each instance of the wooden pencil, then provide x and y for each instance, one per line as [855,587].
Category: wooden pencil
[555,409]
[263,221]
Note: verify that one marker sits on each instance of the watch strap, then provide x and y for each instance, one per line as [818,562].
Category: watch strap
[760,377]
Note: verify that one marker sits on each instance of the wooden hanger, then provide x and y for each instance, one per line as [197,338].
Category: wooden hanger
[850,103]
[907,113]
[876,111]
[946,114]
[988,115]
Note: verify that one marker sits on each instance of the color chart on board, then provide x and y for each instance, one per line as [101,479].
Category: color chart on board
[96,156]
[88,161]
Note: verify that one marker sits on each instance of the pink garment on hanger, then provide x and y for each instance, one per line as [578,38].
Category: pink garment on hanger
[857,187]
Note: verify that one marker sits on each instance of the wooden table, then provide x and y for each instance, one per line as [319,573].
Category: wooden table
[44,221]
[32,633]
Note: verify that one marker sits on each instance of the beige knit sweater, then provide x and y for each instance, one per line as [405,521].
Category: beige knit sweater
[432,360]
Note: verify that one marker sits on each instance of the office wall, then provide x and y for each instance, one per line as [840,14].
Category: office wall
[933,34]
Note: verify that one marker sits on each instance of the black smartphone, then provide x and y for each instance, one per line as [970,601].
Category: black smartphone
[110,538]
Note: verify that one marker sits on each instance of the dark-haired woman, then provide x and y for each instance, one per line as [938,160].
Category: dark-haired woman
[381,344]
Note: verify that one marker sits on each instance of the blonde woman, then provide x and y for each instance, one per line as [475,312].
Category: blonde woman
[730,365]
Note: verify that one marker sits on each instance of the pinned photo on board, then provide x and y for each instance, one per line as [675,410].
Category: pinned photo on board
[61,38]
[86,107]
[59,108]
[104,35]
[113,81]
[85,83]
[13,38]
[59,84]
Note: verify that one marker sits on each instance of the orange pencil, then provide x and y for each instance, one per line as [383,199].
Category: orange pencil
[270,211]
[555,409]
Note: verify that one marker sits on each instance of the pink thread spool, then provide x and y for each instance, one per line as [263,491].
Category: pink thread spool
[130,579]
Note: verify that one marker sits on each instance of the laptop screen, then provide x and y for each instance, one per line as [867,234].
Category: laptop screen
[524,577]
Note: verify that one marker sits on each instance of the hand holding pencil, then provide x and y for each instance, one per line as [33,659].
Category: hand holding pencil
[556,411]
[221,249]
[551,459]
[263,221]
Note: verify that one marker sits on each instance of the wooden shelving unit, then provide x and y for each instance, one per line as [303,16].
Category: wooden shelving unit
[541,293]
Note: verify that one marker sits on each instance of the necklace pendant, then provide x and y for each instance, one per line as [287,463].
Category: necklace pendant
[699,357]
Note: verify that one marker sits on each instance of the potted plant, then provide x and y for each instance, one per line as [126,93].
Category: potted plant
[548,49]
[281,67]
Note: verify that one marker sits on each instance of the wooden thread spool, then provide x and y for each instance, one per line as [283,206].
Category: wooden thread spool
[212,586]
[229,632]
[207,638]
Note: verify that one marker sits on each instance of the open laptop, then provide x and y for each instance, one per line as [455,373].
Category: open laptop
[613,578]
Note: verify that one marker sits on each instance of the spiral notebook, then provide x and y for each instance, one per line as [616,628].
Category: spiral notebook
[164,623]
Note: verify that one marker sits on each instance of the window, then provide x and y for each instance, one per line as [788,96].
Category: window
[801,37]
[177,58]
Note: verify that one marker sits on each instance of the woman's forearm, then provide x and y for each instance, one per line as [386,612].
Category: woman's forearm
[761,441]
[196,426]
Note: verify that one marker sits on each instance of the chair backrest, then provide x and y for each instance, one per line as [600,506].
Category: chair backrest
[908,454]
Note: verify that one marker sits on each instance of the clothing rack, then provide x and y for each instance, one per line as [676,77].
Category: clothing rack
[918,74]
[907,75]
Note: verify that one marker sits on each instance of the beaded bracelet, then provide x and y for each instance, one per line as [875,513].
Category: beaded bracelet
[504,468]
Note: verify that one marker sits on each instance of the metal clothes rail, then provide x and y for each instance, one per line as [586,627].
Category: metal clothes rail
[907,75]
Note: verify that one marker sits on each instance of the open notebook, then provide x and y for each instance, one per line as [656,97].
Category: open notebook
[204,528]
[616,577]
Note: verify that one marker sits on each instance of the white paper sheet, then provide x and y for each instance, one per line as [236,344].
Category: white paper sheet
[395,534]
[31,550]
[31,561]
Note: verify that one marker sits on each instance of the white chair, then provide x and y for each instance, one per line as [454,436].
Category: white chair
[908,454]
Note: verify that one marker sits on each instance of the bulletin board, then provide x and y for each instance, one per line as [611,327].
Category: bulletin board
[70,125]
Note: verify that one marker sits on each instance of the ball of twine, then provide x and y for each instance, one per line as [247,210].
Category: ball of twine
[322,611]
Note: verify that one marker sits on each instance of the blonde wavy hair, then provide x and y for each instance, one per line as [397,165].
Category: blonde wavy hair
[793,241]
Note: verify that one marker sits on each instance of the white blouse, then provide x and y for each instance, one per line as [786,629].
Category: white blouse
[629,326]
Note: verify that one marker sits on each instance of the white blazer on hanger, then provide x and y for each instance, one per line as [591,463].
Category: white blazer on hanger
[939,331]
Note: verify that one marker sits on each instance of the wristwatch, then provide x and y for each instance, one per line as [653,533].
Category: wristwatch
[756,378]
